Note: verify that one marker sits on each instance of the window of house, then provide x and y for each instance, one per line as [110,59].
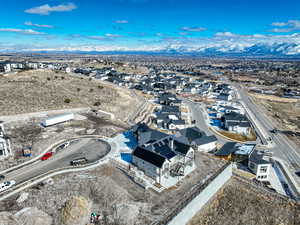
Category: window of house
[263,169]
[252,166]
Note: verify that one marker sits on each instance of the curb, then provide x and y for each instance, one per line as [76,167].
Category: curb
[47,149]
[52,173]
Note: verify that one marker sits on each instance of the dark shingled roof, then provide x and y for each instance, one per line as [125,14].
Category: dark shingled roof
[150,137]
[149,156]
[226,149]
[205,140]
[192,133]
[164,150]
[257,158]
[181,147]
[233,116]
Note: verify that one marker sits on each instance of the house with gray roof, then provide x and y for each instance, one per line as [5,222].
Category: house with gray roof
[259,166]
[160,155]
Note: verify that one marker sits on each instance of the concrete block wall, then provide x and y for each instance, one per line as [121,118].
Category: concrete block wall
[200,200]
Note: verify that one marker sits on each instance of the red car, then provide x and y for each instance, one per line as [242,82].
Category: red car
[47,156]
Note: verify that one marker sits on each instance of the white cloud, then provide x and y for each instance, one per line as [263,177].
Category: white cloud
[279,24]
[193,29]
[27,31]
[284,27]
[28,23]
[121,21]
[225,34]
[113,35]
[47,9]
[97,37]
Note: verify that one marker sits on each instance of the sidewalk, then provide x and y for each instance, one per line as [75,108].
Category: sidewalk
[275,181]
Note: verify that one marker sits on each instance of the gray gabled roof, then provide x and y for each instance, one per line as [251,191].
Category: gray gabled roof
[205,140]
[233,116]
[150,136]
[257,158]
[226,149]
[192,133]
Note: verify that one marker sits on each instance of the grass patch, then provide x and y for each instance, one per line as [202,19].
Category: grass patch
[239,137]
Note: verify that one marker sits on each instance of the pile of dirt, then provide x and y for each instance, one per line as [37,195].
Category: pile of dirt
[76,211]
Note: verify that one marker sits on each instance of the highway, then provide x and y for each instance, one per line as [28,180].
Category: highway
[283,148]
[90,148]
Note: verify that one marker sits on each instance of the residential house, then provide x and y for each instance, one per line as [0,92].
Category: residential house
[259,166]
[197,139]
[226,151]
[236,123]
[159,155]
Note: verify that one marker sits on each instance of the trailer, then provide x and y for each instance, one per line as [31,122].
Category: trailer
[50,121]
[78,162]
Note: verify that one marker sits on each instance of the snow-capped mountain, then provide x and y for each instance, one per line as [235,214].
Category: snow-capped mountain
[277,49]
[213,49]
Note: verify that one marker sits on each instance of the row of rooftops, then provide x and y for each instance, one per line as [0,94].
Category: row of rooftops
[163,146]
[242,149]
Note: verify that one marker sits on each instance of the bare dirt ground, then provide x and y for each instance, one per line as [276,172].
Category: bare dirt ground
[29,133]
[44,90]
[237,204]
[112,193]
[285,114]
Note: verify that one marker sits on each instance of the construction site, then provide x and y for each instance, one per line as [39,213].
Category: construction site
[108,192]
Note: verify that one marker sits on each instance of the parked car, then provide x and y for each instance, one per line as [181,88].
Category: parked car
[46,156]
[297,173]
[2,177]
[7,184]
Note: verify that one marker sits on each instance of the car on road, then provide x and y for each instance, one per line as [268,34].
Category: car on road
[80,161]
[6,185]
[46,156]
[274,131]
[62,146]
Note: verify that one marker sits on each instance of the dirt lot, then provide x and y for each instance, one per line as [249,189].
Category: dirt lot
[111,192]
[237,204]
[42,90]
[28,133]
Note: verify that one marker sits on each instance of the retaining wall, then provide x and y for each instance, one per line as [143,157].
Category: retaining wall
[194,206]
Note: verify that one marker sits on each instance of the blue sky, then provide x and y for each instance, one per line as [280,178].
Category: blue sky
[146,24]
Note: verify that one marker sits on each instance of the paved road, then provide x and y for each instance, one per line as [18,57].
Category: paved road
[92,149]
[197,113]
[283,148]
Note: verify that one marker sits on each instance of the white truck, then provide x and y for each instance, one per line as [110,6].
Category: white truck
[50,121]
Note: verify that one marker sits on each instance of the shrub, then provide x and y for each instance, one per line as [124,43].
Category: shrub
[67,100]
[97,104]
